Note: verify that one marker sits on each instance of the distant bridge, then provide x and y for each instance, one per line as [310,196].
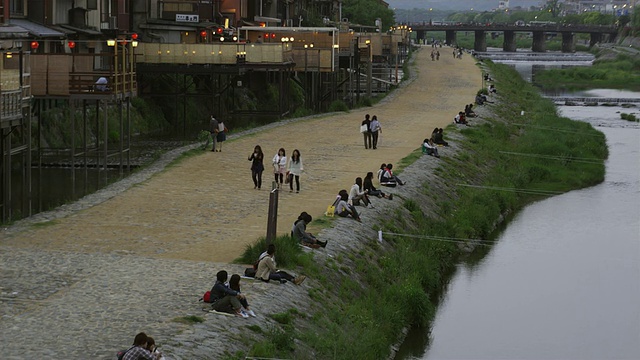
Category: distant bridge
[598,33]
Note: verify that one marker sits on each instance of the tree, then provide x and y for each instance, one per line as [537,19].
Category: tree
[365,12]
[554,7]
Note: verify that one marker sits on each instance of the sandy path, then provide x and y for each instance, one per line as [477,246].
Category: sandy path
[205,207]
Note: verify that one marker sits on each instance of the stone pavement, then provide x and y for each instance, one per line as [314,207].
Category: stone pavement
[80,281]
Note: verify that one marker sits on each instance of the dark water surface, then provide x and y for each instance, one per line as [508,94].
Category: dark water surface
[563,280]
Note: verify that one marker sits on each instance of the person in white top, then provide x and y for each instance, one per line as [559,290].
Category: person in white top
[357,193]
[294,169]
[279,166]
[375,128]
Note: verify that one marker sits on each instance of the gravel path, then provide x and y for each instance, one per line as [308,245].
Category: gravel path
[80,281]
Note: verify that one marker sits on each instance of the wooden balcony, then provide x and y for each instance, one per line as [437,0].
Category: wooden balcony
[75,75]
[14,92]
[310,59]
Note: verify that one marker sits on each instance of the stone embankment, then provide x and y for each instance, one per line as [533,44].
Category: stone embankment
[79,282]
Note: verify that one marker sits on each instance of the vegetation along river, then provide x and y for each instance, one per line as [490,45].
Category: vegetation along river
[561,281]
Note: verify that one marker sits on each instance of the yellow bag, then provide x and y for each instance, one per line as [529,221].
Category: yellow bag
[330,211]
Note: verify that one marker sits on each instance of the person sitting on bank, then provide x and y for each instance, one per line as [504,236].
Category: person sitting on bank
[224,298]
[371,190]
[429,148]
[234,284]
[380,172]
[267,269]
[357,193]
[390,180]
[439,138]
[139,349]
[492,89]
[460,119]
[468,111]
[299,232]
[344,209]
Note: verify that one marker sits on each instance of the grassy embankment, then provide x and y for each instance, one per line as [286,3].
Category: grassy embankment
[623,72]
[365,299]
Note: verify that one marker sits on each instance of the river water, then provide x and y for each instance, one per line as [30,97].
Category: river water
[563,280]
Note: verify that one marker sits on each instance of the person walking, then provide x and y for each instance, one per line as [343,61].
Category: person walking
[294,170]
[376,129]
[365,128]
[213,129]
[222,135]
[257,166]
[279,166]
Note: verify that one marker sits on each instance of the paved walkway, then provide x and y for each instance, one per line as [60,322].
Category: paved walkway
[137,260]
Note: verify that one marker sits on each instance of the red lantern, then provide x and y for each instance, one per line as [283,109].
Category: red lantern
[273,35]
[134,36]
[219,30]
[203,33]
[35,45]
[72,44]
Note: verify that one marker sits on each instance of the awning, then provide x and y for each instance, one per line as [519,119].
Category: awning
[13,32]
[36,29]
[81,30]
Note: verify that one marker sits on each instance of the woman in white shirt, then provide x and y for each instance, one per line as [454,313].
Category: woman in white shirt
[279,166]
[294,169]
[357,193]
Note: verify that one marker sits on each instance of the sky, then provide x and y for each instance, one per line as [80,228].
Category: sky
[479,5]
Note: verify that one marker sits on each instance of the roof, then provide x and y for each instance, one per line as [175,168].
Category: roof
[85,31]
[13,32]
[288,29]
[36,29]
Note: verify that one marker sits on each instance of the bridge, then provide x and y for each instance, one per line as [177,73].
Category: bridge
[598,33]
[593,100]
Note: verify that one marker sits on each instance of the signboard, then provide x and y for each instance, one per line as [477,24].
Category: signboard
[187,18]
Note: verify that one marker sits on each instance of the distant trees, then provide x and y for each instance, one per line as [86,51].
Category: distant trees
[554,7]
[365,12]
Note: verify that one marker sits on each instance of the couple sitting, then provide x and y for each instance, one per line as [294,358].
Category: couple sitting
[430,148]
[227,297]
[386,177]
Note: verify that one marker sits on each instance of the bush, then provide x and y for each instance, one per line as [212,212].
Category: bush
[338,105]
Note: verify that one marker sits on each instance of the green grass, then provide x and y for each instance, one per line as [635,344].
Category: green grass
[621,73]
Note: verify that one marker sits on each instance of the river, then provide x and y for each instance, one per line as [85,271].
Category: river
[563,280]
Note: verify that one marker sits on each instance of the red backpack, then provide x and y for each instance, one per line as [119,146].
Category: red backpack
[206,297]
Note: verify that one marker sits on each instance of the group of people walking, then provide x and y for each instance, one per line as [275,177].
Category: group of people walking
[284,170]
[370,129]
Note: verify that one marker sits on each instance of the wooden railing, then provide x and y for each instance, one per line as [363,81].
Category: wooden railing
[73,74]
[311,59]
[10,104]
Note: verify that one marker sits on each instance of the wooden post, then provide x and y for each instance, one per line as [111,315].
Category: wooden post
[272,217]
